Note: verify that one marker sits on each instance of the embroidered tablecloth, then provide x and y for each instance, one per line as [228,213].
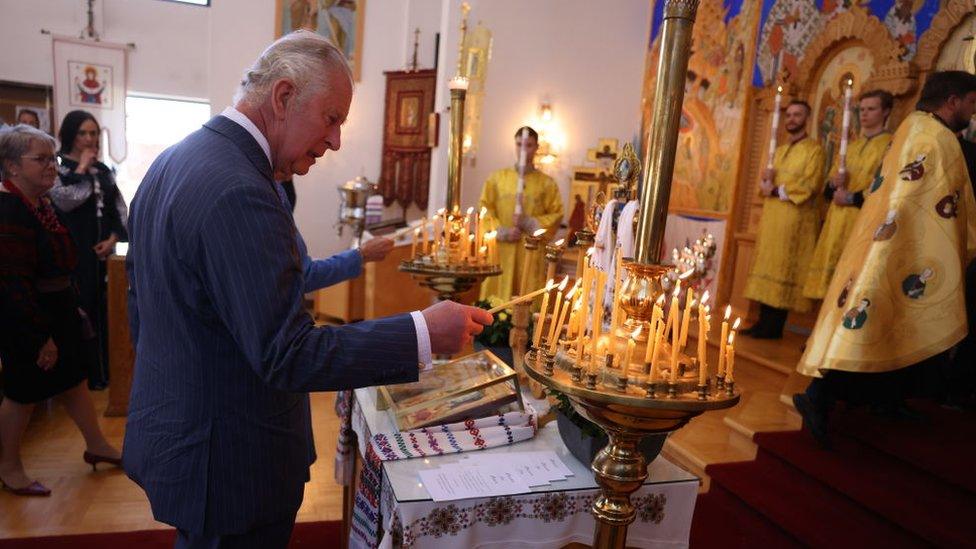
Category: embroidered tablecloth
[393,510]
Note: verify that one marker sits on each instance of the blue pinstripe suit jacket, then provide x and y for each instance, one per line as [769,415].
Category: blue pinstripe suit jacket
[219,430]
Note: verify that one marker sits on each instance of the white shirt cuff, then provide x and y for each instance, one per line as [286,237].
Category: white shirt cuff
[423,341]
[781,190]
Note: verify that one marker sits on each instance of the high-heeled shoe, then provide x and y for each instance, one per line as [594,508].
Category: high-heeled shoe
[95,459]
[33,489]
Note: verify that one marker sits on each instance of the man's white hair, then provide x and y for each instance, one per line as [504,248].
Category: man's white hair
[305,58]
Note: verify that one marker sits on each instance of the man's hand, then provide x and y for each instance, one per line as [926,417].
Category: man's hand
[376,249]
[769,174]
[105,248]
[842,197]
[509,234]
[839,180]
[47,357]
[766,187]
[452,326]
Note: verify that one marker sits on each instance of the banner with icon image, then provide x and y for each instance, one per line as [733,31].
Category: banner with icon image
[91,76]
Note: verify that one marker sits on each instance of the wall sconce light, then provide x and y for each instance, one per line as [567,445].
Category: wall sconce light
[552,139]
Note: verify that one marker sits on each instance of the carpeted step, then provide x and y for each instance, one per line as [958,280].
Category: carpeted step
[723,520]
[938,512]
[944,445]
[806,508]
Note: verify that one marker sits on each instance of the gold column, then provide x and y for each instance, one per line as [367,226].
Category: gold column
[454,151]
[669,92]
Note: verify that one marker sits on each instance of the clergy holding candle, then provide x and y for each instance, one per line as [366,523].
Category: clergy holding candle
[542,208]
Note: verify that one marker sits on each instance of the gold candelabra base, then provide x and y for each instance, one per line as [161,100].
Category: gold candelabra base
[627,412]
[448,281]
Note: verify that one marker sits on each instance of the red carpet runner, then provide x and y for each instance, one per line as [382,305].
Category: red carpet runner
[306,535]
[885,484]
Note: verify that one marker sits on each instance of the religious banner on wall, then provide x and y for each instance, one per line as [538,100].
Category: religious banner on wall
[713,113]
[91,76]
[341,21]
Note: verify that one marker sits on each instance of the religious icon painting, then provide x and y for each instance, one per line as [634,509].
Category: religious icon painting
[844,292]
[855,318]
[914,284]
[91,85]
[913,171]
[887,229]
[948,207]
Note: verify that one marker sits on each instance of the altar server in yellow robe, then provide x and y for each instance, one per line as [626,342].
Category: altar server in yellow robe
[845,191]
[896,303]
[788,228]
[542,208]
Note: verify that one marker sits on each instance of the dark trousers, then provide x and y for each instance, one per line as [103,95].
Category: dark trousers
[269,536]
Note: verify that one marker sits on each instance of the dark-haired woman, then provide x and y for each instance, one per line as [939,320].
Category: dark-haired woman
[41,330]
[96,215]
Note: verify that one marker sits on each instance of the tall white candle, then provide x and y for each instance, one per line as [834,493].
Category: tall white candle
[845,128]
[523,158]
[777,105]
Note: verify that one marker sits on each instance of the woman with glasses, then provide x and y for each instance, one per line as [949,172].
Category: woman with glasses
[41,328]
[95,213]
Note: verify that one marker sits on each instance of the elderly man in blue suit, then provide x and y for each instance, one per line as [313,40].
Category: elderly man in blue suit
[219,429]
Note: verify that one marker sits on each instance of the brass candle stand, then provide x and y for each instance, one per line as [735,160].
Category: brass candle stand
[452,267]
[625,399]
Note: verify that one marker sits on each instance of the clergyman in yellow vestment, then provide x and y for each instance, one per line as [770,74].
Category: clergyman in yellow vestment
[542,208]
[846,189]
[897,296]
[788,228]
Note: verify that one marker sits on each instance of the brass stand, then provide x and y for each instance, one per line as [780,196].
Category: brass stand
[554,253]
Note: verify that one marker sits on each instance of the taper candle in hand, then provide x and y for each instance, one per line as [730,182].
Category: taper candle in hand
[845,127]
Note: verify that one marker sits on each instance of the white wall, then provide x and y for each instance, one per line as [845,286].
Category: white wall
[586,57]
[171,41]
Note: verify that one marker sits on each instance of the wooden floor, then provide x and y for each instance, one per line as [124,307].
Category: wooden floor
[107,501]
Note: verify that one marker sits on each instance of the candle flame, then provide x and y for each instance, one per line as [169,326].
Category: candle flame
[539,233]
[416,232]
[731,338]
[735,325]
[470,238]
[728,312]
[850,82]
[572,291]
[550,283]
[590,251]
[441,211]
[660,300]
[471,210]
[686,274]
[559,242]
[779,89]
[677,289]
[484,211]
[562,285]
[704,298]
[636,333]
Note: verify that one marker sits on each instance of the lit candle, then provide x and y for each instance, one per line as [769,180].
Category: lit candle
[721,341]
[601,282]
[480,228]
[537,336]
[658,338]
[730,359]
[703,327]
[557,325]
[413,245]
[522,166]
[629,353]
[686,318]
[555,310]
[483,253]
[584,304]
[423,234]
[473,253]
[845,127]
[775,127]
[601,347]
[652,329]
[675,337]
[573,327]
[458,83]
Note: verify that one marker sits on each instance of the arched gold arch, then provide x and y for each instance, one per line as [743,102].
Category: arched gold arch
[930,45]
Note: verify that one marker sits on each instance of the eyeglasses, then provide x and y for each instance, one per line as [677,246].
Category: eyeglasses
[42,159]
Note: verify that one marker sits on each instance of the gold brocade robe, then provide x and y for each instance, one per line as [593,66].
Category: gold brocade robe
[542,202]
[863,160]
[788,228]
[897,296]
